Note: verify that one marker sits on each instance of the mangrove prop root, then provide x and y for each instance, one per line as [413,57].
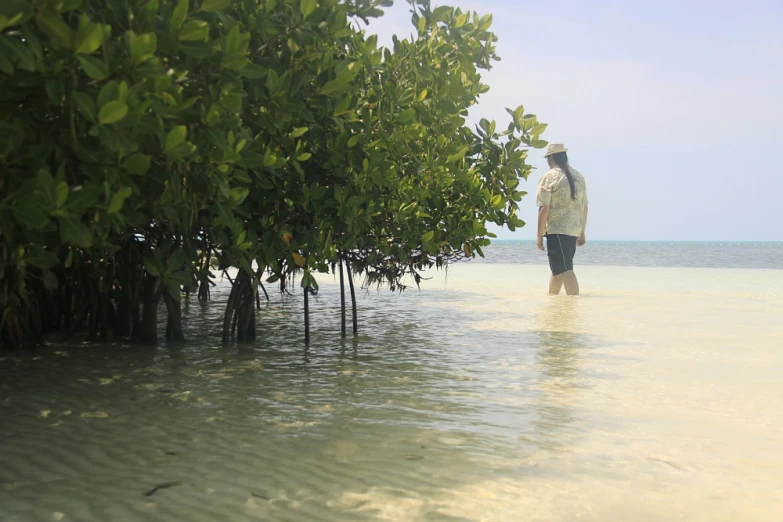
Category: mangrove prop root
[307,315]
[353,299]
[342,299]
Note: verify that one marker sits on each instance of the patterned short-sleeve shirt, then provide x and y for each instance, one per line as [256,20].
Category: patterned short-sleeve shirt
[565,214]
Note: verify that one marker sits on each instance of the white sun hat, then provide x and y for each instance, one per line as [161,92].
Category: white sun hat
[555,148]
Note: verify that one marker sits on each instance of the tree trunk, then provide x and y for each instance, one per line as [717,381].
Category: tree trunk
[149,317]
[174,322]
[353,299]
[342,299]
[77,318]
[122,324]
[67,297]
[204,282]
[92,325]
[103,315]
[246,303]
[135,323]
[307,315]
[229,313]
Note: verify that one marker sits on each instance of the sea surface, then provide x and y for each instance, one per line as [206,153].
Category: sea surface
[654,396]
[678,254]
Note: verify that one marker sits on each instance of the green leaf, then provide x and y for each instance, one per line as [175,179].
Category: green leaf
[62,193]
[89,39]
[334,86]
[239,194]
[151,267]
[198,50]
[142,46]
[301,131]
[253,71]
[109,92]
[299,260]
[176,261]
[538,129]
[519,114]
[85,105]
[181,151]
[406,116]
[137,163]
[422,95]
[46,184]
[458,155]
[181,277]
[122,92]
[307,7]
[237,44]
[57,30]
[179,15]
[175,137]
[353,140]
[6,22]
[74,232]
[55,91]
[427,236]
[174,290]
[69,5]
[93,67]
[31,213]
[485,22]
[215,5]
[225,213]
[194,30]
[32,40]
[112,112]
[83,198]
[6,66]
[304,156]
[118,199]
[421,25]
[40,258]
[18,52]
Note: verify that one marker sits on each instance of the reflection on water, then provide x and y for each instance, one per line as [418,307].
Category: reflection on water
[561,346]
[477,399]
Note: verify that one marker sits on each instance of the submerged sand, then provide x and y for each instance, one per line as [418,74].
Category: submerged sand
[654,396]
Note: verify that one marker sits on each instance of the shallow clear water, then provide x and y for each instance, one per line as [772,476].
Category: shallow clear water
[656,395]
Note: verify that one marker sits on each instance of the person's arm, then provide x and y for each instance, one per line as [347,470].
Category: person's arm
[543,215]
[581,239]
[543,202]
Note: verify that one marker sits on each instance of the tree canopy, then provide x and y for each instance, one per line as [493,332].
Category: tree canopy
[145,144]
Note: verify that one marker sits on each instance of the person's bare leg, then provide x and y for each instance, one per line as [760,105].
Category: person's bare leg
[555,284]
[571,283]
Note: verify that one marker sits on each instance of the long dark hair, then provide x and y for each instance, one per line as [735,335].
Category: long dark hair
[560,159]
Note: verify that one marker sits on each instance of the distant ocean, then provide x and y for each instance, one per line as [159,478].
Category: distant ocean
[673,254]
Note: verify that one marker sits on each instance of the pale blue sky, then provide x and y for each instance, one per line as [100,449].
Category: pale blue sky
[672,110]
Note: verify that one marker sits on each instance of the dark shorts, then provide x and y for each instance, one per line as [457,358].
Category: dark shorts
[561,250]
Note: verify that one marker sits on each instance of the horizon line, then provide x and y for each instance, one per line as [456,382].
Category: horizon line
[662,240]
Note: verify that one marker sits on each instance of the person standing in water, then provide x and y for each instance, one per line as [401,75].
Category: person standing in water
[561,199]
